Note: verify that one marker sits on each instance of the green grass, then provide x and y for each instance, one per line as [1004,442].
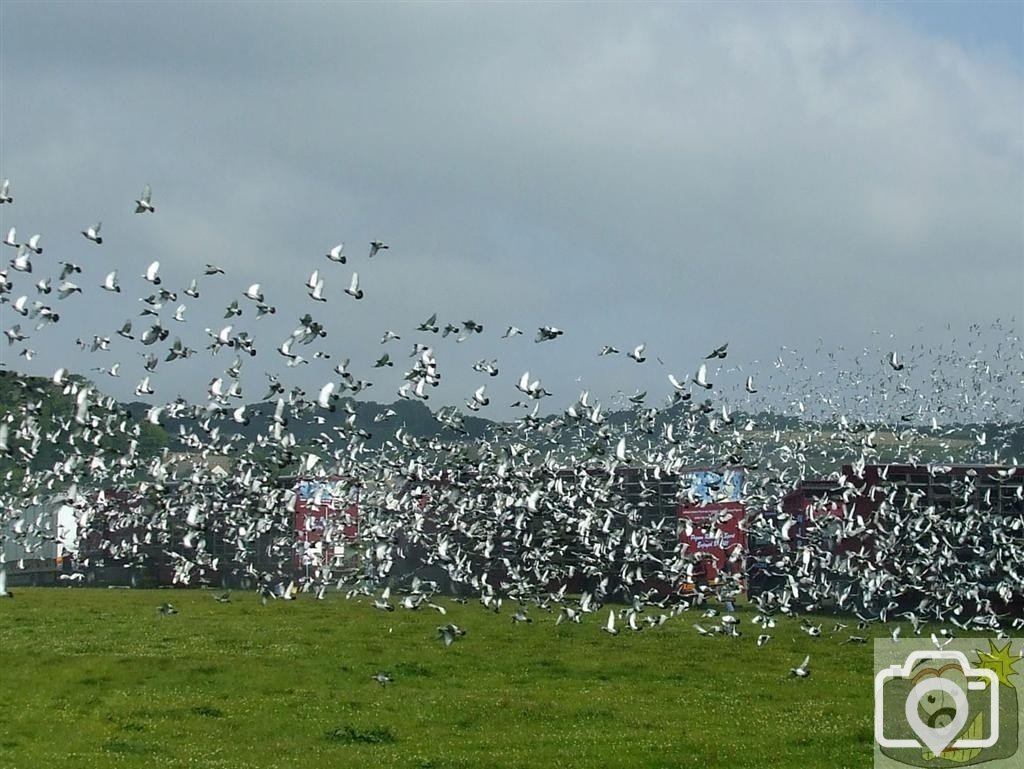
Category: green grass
[98,678]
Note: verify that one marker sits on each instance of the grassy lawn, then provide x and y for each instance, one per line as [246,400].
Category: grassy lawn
[98,678]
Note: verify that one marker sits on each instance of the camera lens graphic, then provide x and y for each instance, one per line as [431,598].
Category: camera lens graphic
[944,722]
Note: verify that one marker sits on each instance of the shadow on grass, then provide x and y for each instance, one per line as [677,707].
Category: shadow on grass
[351,735]
[129,747]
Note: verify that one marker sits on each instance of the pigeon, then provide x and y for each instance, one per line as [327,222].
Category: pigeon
[609,626]
[110,282]
[151,275]
[383,603]
[701,377]
[144,203]
[336,255]
[449,633]
[803,671]
[375,246]
[718,352]
[353,289]
[637,353]
[22,261]
[93,233]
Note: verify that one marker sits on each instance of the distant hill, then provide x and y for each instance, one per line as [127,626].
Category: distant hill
[51,404]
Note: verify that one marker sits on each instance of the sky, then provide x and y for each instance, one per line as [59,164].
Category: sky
[815,177]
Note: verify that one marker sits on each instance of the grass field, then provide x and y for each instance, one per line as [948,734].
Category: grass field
[99,678]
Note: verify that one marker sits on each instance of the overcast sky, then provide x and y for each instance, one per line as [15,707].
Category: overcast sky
[680,175]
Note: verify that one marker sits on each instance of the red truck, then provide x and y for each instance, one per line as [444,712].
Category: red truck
[326,522]
[711,524]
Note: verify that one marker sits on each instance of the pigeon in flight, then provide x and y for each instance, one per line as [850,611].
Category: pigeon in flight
[93,233]
[637,353]
[353,289]
[144,204]
[804,670]
[336,255]
[718,352]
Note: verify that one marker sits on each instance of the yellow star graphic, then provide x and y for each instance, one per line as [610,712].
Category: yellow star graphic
[999,661]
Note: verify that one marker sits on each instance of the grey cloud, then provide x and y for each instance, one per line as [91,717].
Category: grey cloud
[679,175]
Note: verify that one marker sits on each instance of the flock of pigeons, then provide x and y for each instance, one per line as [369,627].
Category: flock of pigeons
[537,514]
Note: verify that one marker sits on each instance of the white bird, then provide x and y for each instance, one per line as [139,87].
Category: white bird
[701,378]
[610,625]
[749,386]
[5,192]
[803,671]
[144,204]
[33,244]
[11,238]
[254,293]
[316,293]
[335,254]
[110,282]
[22,261]
[326,397]
[353,289]
[814,631]
[637,353]
[479,397]
[620,449]
[151,273]
[93,233]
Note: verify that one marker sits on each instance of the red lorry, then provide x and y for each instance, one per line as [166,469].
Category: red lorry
[711,524]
